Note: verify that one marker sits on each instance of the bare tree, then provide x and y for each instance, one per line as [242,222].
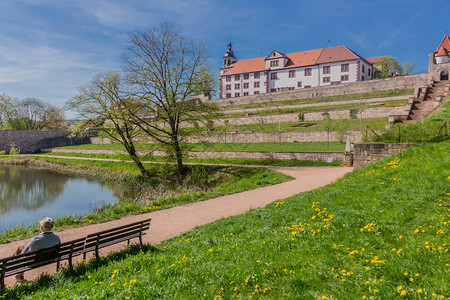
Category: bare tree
[107,106]
[164,68]
[30,114]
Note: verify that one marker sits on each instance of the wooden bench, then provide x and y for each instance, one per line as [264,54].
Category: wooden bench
[109,237]
[93,242]
[26,261]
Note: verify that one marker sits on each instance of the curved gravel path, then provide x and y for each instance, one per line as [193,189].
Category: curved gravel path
[171,222]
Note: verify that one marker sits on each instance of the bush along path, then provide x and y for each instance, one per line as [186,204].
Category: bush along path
[171,222]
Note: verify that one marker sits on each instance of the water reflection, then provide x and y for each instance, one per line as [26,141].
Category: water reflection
[30,190]
[28,195]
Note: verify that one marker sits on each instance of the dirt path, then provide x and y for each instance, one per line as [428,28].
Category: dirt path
[171,222]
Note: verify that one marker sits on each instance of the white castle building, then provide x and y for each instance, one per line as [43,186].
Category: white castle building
[278,71]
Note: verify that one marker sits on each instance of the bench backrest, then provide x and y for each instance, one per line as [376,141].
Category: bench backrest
[122,233]
[34,259]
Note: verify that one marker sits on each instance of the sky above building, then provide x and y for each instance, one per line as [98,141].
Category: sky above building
[50,47]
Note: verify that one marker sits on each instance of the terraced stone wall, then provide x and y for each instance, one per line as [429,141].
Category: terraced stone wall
[400,82]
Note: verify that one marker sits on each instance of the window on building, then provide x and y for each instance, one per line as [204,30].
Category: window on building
[237,86]
[274,63]
[256,93]
[237,94]
[228,95]
[292,74]
[368,71]
[228,78]
[290,88]
[237,77]
[308,72]
[246,76]
[273,75]
[326,79]
[326,70]
[299,84]
[228,87]
[362,78]
[245,85]
[245,93]
[273,90]
[256,75]
[344,77]
[307,86]
[344,68]
[256,84]
[363,68]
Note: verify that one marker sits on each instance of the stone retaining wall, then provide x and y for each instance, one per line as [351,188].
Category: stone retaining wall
[374,112]
[400,82]
[315,156]
[276,137]
[366,153]
[30,141]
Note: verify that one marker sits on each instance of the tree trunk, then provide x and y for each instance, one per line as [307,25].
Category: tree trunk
[137,161]
[178,155]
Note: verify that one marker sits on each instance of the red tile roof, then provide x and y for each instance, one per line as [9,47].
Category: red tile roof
[444,47]
[441,52]
[374,60]
[296,59]
[444,44]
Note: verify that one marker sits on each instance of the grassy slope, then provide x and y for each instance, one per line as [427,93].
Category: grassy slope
[376,94]
[306,146]
[378,232]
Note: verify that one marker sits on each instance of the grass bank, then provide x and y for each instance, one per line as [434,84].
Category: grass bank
[380,232]
[357,96]
[144,195]
[282,147]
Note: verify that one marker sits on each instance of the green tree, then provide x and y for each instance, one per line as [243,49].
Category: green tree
[327,125]
[204,82]
[408,67]
[341,128]
[386,66]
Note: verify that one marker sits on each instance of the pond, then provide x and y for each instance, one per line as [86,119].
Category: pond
[28,195]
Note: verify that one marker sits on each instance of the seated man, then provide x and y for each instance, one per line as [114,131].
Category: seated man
[45,239]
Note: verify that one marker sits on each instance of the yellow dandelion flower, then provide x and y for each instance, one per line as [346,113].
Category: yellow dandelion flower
[419,291]
[399,288]
[403,292]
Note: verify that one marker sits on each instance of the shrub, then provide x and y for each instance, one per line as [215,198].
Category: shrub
[14,150]
[2,152]
[301,117]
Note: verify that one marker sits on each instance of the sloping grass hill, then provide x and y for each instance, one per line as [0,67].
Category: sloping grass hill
[380,232]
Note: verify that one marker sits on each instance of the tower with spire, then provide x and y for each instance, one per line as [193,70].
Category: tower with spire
[228,58]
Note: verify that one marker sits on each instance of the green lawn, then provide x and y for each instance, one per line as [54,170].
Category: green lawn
[380,232]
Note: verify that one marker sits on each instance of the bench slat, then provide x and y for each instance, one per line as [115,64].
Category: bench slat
[124,226]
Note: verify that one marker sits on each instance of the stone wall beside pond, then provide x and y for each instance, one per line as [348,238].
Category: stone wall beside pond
[30,141]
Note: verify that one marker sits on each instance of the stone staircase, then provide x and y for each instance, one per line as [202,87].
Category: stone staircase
[427,99]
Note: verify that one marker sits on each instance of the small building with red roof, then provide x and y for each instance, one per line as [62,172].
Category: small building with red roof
[298,70]
[439,66]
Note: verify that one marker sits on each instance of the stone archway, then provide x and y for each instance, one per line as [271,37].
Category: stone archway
[444,75]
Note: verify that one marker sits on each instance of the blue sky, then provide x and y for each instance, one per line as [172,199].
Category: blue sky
[49,47]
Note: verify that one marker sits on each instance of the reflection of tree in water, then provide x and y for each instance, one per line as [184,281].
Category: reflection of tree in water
[24,188]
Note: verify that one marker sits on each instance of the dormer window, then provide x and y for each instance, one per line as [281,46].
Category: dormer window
[274,63]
